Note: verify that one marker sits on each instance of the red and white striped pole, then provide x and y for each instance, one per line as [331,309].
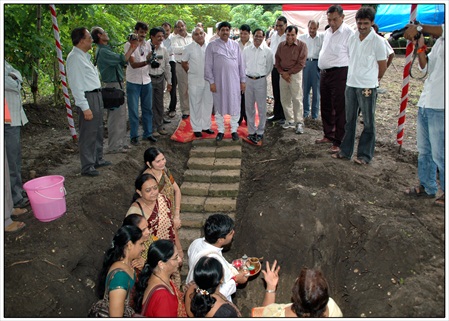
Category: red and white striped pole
[62,72]
[405,81]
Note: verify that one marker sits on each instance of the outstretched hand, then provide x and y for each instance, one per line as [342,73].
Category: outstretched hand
[271,275]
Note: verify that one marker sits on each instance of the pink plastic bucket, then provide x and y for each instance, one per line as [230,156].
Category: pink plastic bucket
[47,197]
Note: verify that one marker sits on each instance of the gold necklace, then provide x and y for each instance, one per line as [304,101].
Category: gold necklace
[155,175]
[151,209]
[129,265]
[168,286]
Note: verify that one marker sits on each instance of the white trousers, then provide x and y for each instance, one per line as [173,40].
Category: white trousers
[234,122]
[200,102]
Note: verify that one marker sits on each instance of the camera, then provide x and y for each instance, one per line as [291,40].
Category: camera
[153,60]
[396,34]
[133,36]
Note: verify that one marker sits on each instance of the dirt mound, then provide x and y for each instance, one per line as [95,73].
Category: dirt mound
[383,254]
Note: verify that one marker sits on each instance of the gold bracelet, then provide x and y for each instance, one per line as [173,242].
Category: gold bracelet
[270,291]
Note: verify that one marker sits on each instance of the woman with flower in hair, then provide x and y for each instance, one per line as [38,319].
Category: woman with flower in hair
[202,299]
[117,275]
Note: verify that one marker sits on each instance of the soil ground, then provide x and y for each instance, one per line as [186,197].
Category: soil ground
[383,253]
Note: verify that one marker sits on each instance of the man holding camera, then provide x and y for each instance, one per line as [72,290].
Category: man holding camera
[430,126]
[86,90]
[110,65]
[138,85]
[159,70]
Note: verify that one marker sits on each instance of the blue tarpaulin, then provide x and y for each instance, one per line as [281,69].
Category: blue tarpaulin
[391,17]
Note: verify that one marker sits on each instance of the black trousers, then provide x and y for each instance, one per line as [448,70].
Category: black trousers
[174,83]
[278,111]
[242,109]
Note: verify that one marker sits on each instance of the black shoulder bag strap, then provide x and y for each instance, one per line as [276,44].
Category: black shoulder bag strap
[116,71]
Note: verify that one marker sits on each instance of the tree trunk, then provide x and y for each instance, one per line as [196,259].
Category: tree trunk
[34,83]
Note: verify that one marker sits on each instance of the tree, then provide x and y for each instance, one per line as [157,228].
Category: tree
[29,43]
[253,15]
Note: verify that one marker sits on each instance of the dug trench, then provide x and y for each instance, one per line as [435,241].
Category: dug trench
[382,253]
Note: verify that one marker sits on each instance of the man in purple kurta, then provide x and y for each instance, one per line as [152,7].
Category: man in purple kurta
[225,71]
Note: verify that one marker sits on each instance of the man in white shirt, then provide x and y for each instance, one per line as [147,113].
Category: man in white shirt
[367,65]
[200,96]
[160,74]
[258,60]
[174,82]
[138,85]
[218,232]
[85,85]
[277,37]
[430,126]
[311,72]
[178,42]
[333,63]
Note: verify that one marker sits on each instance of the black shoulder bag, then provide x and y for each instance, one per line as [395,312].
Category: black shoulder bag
[112,97]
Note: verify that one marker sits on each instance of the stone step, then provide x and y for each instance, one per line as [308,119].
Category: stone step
[208,189]
[225,176]
[213,142]
[203,163]
[220,204]
[187,236]
[203,151]
[213,176]
[224,190]
[195,188]
[210,163]
[231,151]
[193,219]
[228,163]
[196,175]
[197,219]
[193,203]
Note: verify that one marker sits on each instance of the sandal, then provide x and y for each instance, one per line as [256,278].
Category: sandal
[16,212]
[439,201]
[15,227]
[419,191]
[338,156]
[360,161]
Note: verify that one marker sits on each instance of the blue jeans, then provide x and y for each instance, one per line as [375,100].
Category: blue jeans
[365,99]
[311,80]
[145,92]
[430,141]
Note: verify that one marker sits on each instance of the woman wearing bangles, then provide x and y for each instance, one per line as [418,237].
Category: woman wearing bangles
[310,297]
[155,208]
[117,276]
[156,295]
[202,298]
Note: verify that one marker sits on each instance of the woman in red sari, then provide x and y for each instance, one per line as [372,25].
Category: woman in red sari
[156,295]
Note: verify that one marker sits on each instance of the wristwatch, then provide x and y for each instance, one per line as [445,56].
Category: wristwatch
[419,28]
